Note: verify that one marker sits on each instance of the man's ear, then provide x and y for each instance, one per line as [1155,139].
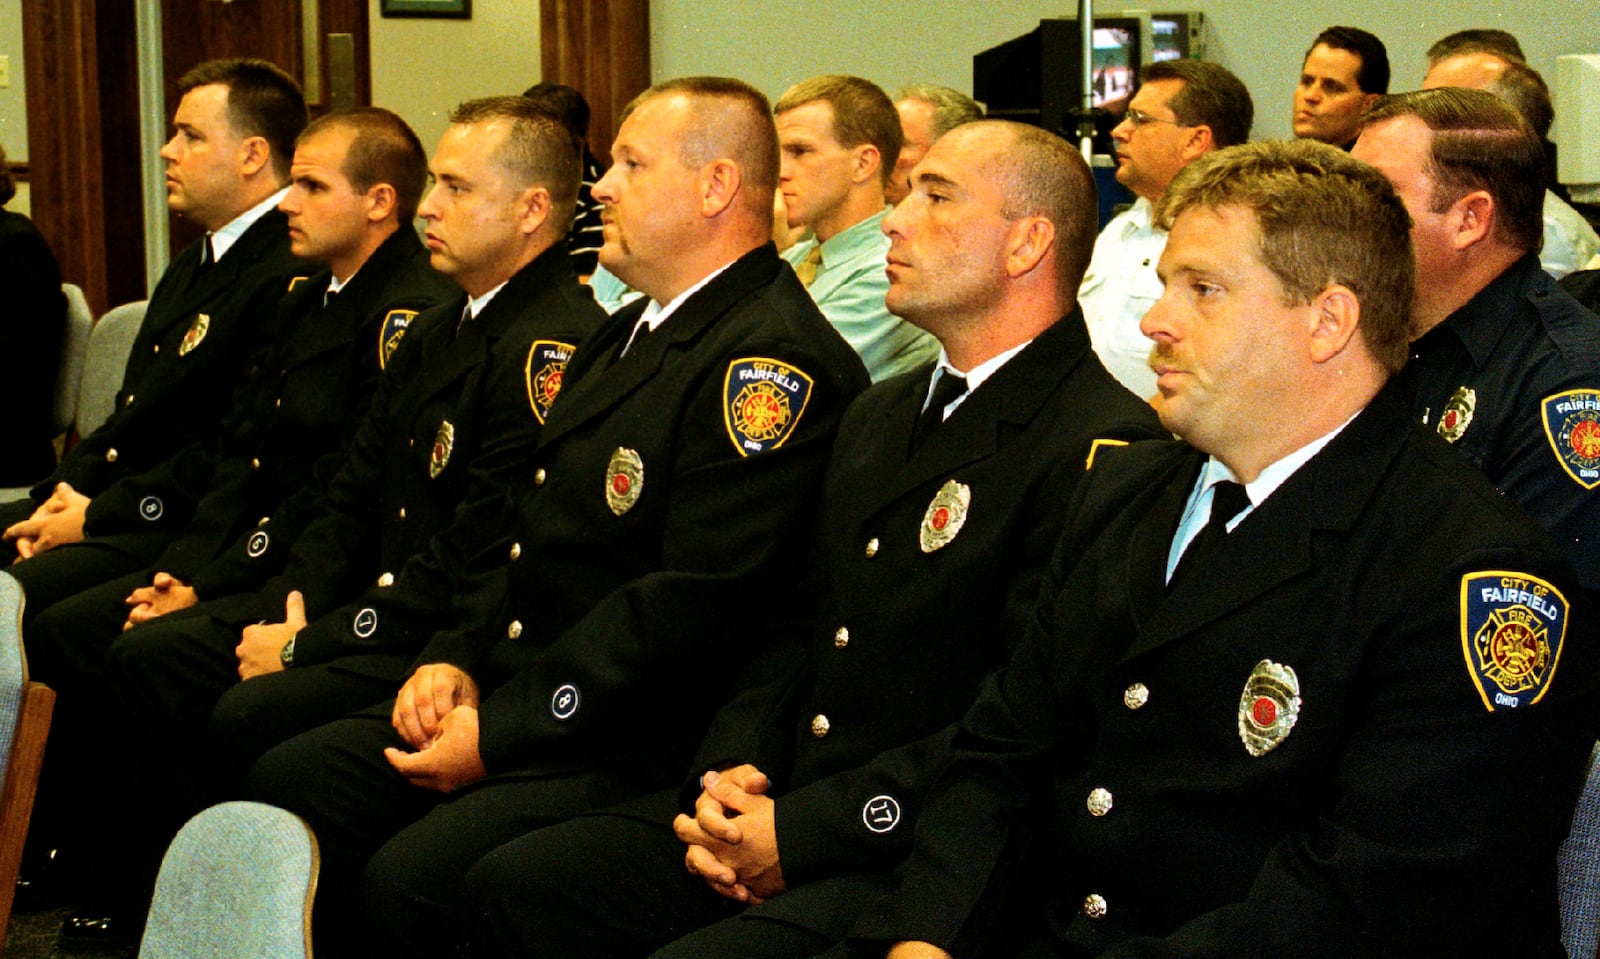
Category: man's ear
[1335,315]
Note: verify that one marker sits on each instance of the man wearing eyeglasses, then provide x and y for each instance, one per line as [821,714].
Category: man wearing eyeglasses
[1184,109]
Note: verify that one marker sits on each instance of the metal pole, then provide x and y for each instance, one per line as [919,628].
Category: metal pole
[1086,128]
[152,134]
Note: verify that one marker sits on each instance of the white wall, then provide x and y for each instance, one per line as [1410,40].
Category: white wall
[775,44]
[422,68]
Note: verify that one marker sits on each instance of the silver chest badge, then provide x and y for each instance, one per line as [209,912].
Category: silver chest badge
[1269,707]
[624,480]
[1457,415]
[945,515]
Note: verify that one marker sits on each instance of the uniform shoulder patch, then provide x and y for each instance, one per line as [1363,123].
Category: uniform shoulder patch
[547,364]
[1512,628]
[395,324]
[1572,424]
[295,281]
[1094,447]
[762,401]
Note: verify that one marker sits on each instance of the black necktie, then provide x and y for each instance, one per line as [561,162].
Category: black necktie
[1228,499]
[946,387]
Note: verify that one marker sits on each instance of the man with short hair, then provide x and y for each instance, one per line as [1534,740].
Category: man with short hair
[1345,70]
[1504,364]
[814,780]
[583,239]
[1182,110]
[840,137]
[1481,40]
[927,112]
[1268,704]
[660,525]
[1569,241]
[355,181]
[227,169]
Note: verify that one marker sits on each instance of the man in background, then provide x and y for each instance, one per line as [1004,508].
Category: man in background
[927,112]
[1345,70]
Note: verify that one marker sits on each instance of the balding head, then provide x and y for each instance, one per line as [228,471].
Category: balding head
[1475,71]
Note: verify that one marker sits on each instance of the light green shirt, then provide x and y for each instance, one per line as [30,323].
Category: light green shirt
[849,290]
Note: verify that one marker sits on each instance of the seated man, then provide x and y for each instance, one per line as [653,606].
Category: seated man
[1569,241]
[1183,110]
[1301,685]
[661,523]
[927,112]
[840,137]
[1504,365]
[227,169]
[1345,70]
[355,181]
[816,780]
[31,337]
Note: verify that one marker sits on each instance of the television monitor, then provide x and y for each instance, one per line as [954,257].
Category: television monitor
[1038,77]
[1177,35]
[1576,97]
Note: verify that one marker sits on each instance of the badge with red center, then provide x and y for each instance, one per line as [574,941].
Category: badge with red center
[195,334]
[547,363]
[763,399]
[395,324]
[624,480]
[1512,630]
[1269,707]
[443,442]
[1457,415]
[945,515]
[1572,423]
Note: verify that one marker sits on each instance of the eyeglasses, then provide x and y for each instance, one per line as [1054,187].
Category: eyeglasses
[1139,119]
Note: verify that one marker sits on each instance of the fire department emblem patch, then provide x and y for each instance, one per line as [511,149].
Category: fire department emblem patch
[395,324]
[1512,627]
[547,363]
[1572,422]
[762,402]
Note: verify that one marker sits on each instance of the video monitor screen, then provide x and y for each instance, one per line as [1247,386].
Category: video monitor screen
[1115,64]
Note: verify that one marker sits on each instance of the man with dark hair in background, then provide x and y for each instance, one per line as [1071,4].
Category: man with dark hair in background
[1182,110]
[840,137]
[227,169]
[584,239]
[927,112]
[659,524]
[1504,366]
[1345,70]
[1569,242]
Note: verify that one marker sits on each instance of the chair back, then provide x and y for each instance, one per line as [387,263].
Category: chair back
[25,709]
[1578,870]
[109,345]
[237,881]
[74,345]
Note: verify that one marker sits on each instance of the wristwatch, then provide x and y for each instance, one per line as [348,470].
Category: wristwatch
[286,654]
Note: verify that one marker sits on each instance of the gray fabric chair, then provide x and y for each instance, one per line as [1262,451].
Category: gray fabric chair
[109,345]
[236,882]
[25,709]
[1578,871]
[74,347]
[98,374]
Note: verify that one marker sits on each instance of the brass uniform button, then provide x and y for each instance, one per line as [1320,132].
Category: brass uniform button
[819,725]
[538,476]
[129,401]
[515,629]
[1099,802]
[516,552]
[402,512]
[155,348]
[841,637]
[255,464]
[1094,906]
[872,547]
[386,580]
[1136,695]
[111,455]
